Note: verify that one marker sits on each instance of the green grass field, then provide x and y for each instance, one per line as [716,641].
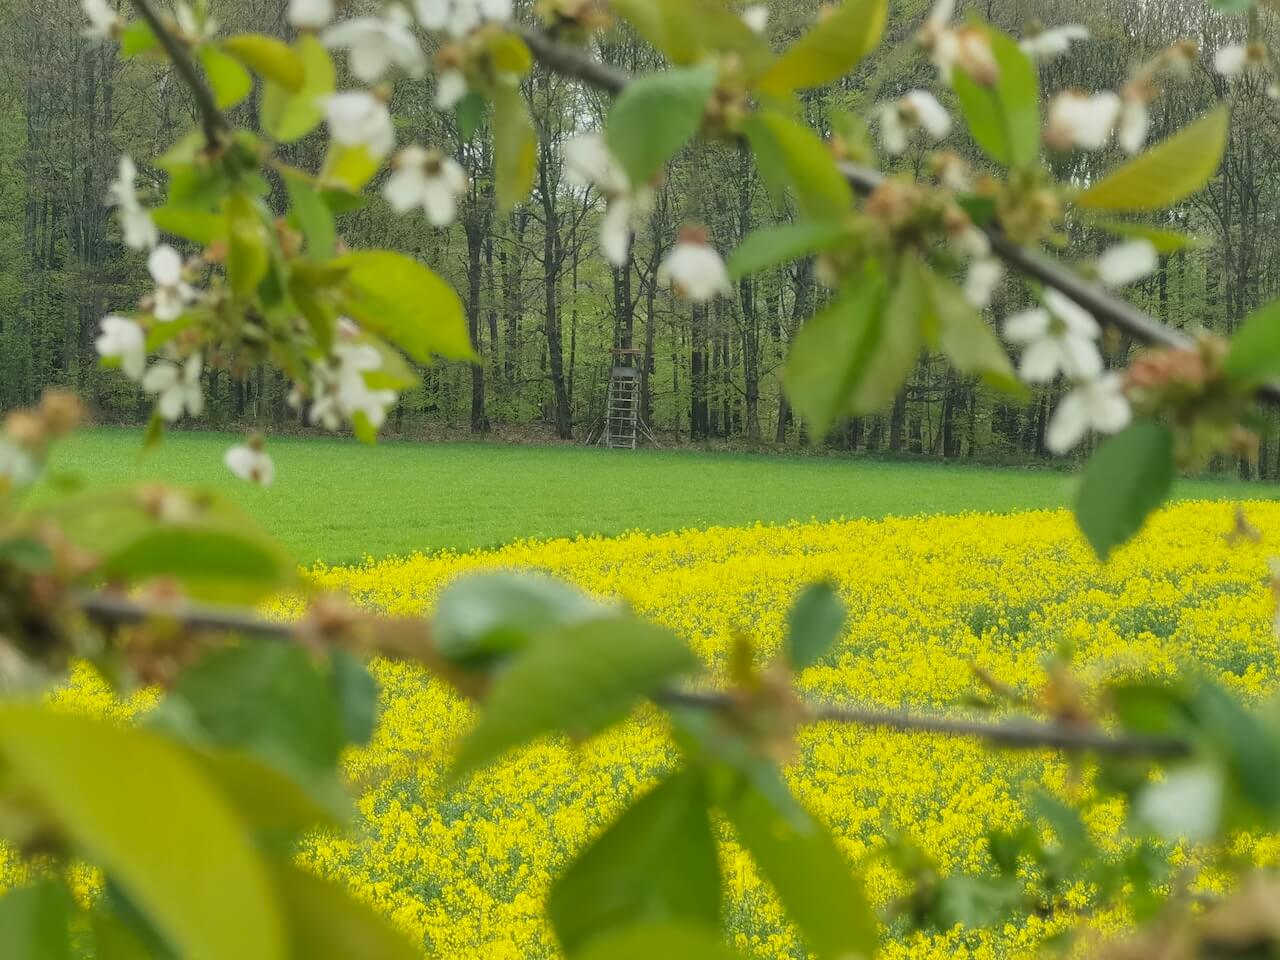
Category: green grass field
[336,500]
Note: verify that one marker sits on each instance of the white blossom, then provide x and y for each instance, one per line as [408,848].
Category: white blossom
[340,389]
[1127,262]
[172,293]
[918,109]
[756,17]
[1230,61]
[451,87]
[460,17]
[104,22]
[198,29]
[249,461]
[139,229]
[1098,404]
[18,468]
[966,47]
[357,118]
[122,339]
[980,282]
[376,44]
[1081,120]
[588,162]
[1056,338]
[694,270]
[1135,122]
[427,179]
[177,388]
[1185,805]
[1054,42]
[310,14]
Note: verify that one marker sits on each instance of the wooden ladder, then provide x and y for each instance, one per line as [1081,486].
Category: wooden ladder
[622,409]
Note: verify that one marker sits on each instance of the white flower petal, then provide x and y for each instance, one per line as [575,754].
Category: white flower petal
[756,17]
[1135,122]
[1185,805]
[310,14]
[1068,425]
[1027,326]
[1127,262]
[1041,361]
[165,266]
[1230,61]
[981,281]
[1078,320]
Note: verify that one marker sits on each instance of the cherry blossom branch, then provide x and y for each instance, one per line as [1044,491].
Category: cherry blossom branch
[212,122]
[1107,309]
[110,610]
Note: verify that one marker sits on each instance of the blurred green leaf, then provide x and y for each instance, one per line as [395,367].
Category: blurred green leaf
[1128,476]
[26,554]
[1250,751]
[312,216]
[357,696]
[483,614]
[814,624]
[396,297]
[1170,171]
[660,941]
[655,863]
[231,82]
[352,167]
[247,256]
[770,246]
[290,116]
[514,147]
[470,113]
[508,53]
[655,116]
[1165,241]
[136,39]
[899,340]
[270,58]
[808,872]
[195,225]
[1255,348]
[1149,708]
[114,940]
[1004,118]
[830,49]
[271,803]
[326,923]
[35,922]
[975,901]
[577,680]
[129,799]
[788,149]
[967,339]
[687,30]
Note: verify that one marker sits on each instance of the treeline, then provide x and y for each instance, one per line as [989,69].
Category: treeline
[545,309]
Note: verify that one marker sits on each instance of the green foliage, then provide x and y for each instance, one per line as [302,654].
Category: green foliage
[576,681]
[1004,118]
[230,82]
[771,246]
[1165,241]
[899,341]
[194,225]
[686,30]
[289,115]
[790,154]
[656,863]
[1168,172]
[965,337]
[515,147]
[270,58]
[1255,349]
[829,50]
[312,216]
[655,116]
[325,923]
[1127,477]
[34,922]
[813,624]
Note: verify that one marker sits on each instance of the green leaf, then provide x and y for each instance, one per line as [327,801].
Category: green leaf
[660,941]
[831,352]
[272,803]
[899,341]
[483,614]
[1232,6]
[271,59]
[514,147]
[26,554]
[247,255]
[357,696]
[814,624]
[578,681]
[114,940]
[967,339]
[655,116]
[129,800]
[34,922]
[231,82]
[1249,749]
[398,298]
[811,876]
[1255,348]
[137,38]
[831,48]
[975,901]
[655,863]
[1004,118]
[326,923]
[1165,241]
[1171,170]
[508,53]
[351,167]
[770,246]
[290,116]
[794,152]
[313,217]
[1128,476]
[270,700]
[194,225]
[470,113]
[687,30]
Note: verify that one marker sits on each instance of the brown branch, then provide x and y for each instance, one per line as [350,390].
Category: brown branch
[1107,309]
[110,611]
[212,122]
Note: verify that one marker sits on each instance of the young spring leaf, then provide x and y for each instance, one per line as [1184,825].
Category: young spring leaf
[687,30]
[900,339]
[577,680]
[1171,170]
[288,116]
[34,922]
[655,863]
[1250,750]
[789,153]
[831,352]
[312,216]
[398,298]
[814,624]
[770,246]
[247,254]
[206,890]
[326,923]
[668,941]
[231,82]
[1255,348]
[357,696]
[514,147]
[967,339]
[655,116]
[136,39]
[1165,241]
[812,878]
[831,48]
[270,58]
[1128,476]
[194,225]
[1004,117]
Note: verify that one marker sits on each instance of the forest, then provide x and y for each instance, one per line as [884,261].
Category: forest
[545,311]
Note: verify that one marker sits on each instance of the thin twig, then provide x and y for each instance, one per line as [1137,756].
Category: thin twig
[212,122]
[111,610]
[577,63]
